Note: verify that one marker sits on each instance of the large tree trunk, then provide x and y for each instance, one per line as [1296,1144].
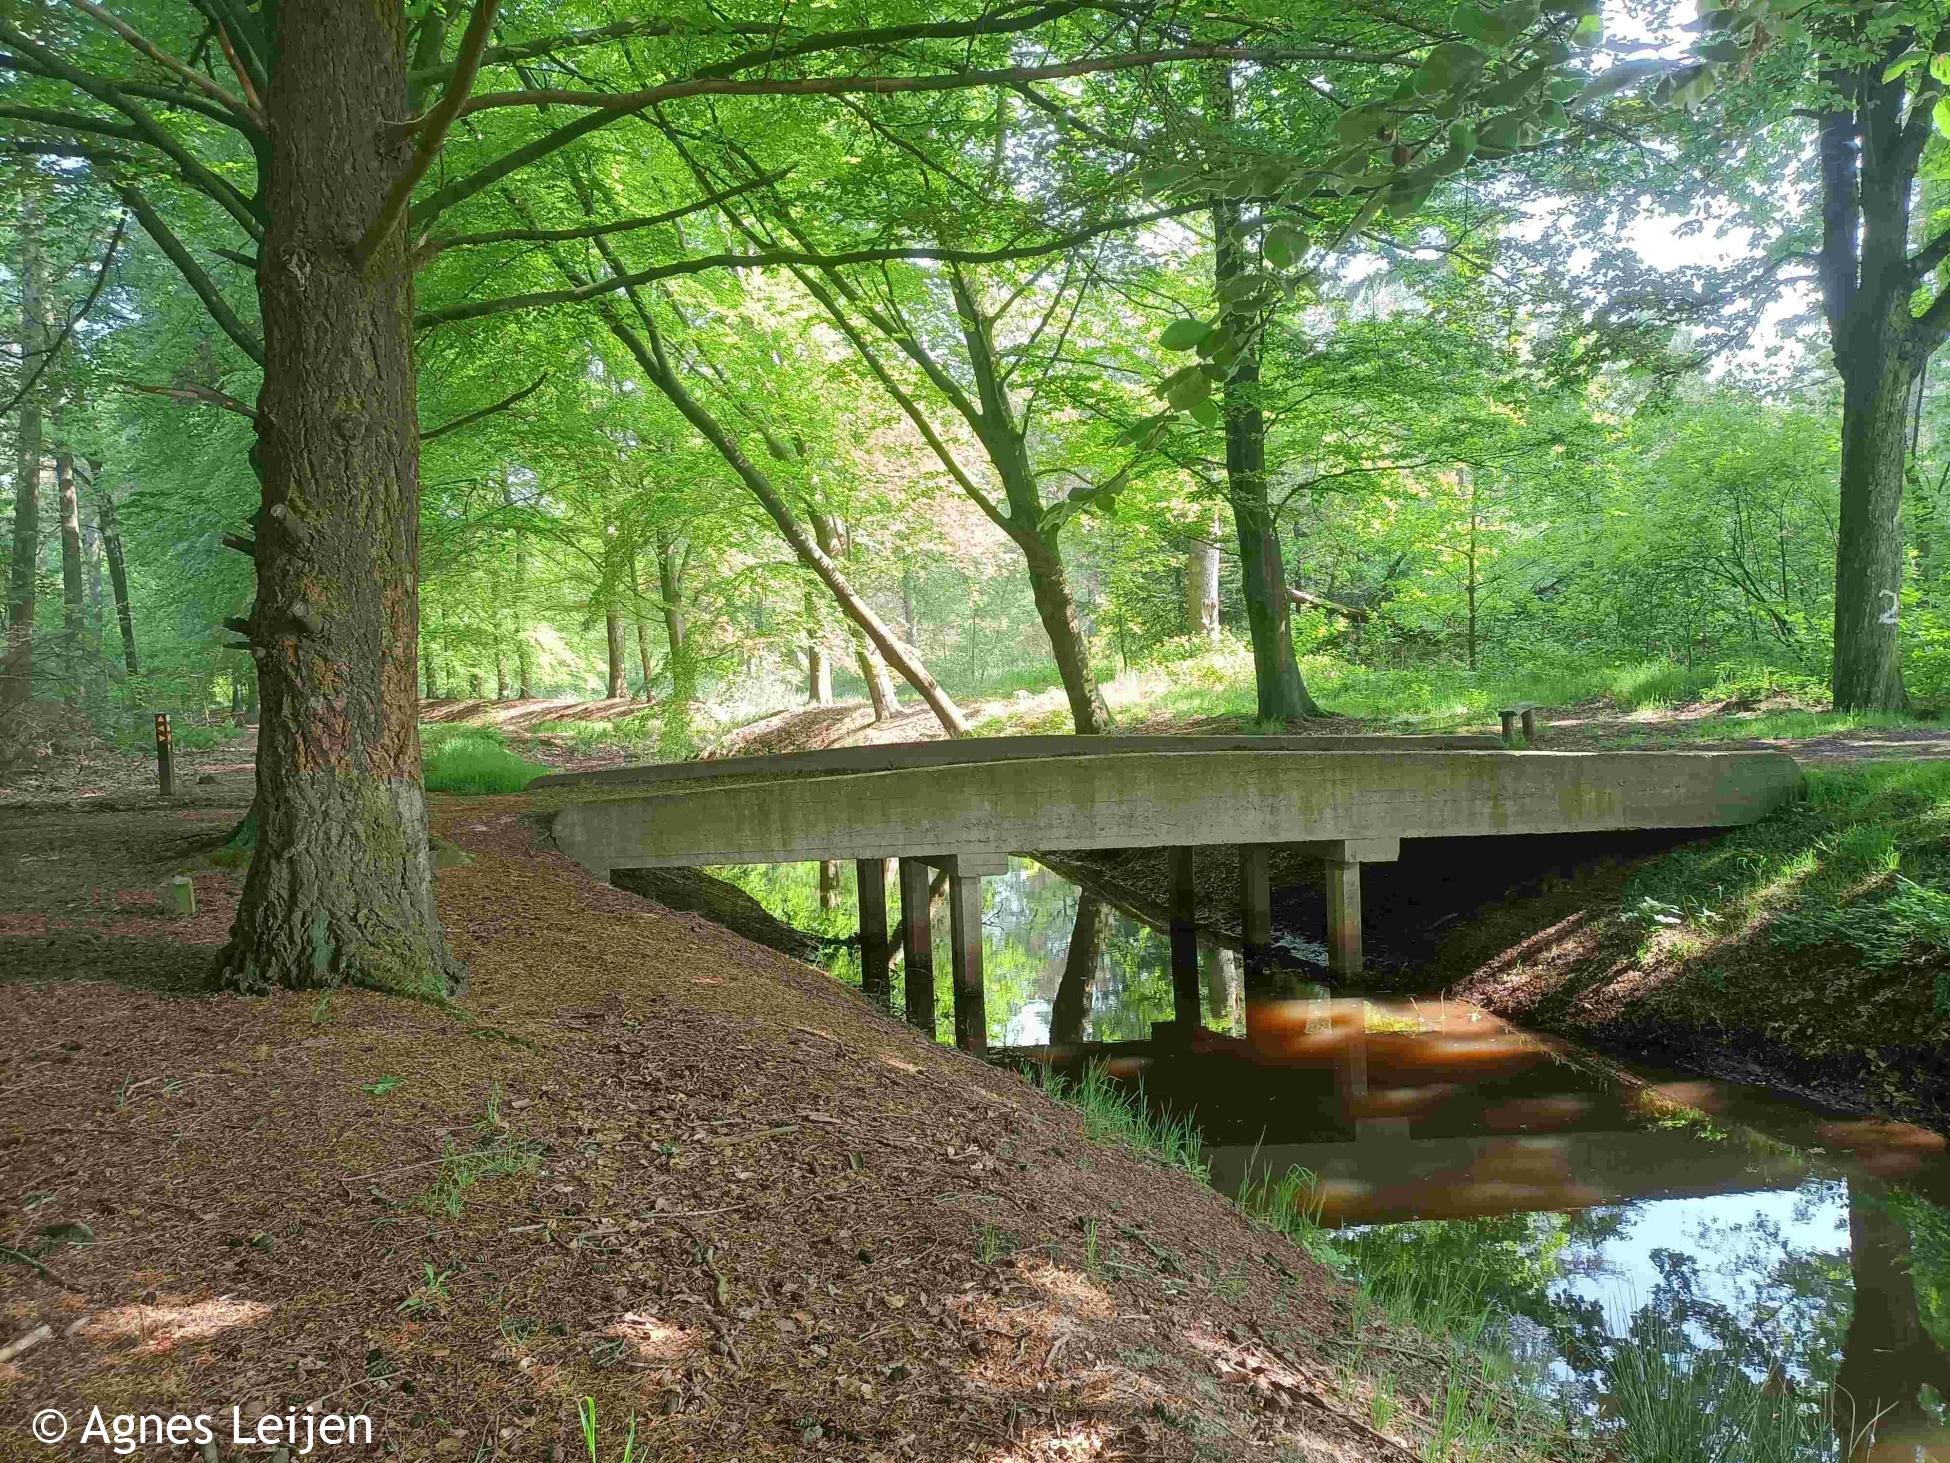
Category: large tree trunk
[17,664]
[340,888]
[118,581]
[73,669]
[819,669]
[619,686]
[1202,584]
[1868,174]
[1869,545]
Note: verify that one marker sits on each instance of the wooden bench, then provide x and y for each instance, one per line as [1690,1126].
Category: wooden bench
[1527,711]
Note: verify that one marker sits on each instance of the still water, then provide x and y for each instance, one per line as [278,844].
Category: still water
[1781,1271]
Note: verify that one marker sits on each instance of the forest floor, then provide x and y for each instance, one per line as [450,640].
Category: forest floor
[643,1161]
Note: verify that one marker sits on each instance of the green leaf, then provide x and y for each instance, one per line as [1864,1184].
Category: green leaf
[1909,60]
[1361,123]
[1447,66]
[1185,389]
[1940,67]
[1183,335]
[1940,116]
[1589,31]
[1205,412]
[1284,246]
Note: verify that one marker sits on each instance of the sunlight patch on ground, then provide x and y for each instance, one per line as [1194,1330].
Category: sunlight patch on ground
[165,1326]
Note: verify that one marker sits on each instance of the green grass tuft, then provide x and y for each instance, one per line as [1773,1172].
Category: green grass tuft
[473,760]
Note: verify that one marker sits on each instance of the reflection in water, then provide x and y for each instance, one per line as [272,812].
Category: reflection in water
[1707,1271]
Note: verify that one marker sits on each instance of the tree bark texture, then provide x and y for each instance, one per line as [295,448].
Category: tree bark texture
[340,889]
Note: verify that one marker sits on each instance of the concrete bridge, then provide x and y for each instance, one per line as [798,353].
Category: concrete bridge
[965,806]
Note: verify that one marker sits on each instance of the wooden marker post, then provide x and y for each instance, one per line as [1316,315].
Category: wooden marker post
[165,756]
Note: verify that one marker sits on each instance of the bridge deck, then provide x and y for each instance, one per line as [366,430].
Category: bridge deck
[1136,799]
[965,806]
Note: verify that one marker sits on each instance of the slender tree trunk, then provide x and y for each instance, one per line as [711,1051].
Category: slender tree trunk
[17,664]
[72,671]
[677,637]
[1003,437]
[619,686]
[518,602]
[819,670]
[1049,586]
[910,617]
[835,541]
[118,581]
[340,888]
[1470,562]
[1202,585]
[1282,693]
[500,675]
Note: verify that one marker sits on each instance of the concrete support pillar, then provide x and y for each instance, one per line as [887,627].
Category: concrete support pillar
[1184,942]
[876,953]
[1343,918]
[965,936]
[1256,913]
[917,946]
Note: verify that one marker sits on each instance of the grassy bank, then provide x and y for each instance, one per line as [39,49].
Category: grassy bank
[1216,686]
[1811,949]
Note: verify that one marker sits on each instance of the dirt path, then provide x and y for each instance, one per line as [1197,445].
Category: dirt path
[648,1163]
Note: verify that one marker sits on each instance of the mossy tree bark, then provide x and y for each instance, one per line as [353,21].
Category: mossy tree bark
[340,890]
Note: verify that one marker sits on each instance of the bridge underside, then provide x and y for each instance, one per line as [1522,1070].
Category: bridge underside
[923,807]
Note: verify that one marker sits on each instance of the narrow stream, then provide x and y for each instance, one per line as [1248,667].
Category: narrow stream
[1782,1270]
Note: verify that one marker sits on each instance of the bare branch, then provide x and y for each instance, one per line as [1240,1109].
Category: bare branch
[432,130]
[46,63]
[67,329]
[592,288]
[636,101]
[193,275]
[205,395]
[146,47]
[472,417]
[594,231]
